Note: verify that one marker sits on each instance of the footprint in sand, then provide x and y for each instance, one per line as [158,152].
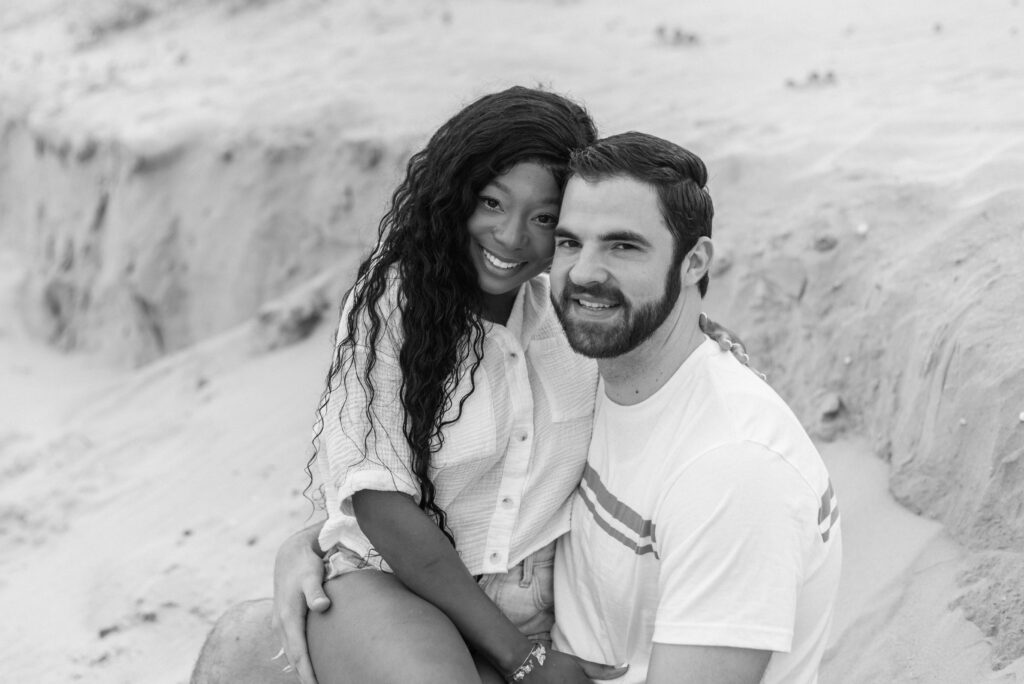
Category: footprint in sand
[814,79]
[676,37]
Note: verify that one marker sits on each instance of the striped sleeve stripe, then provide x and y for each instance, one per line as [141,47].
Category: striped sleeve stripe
[828,512]
[618,520]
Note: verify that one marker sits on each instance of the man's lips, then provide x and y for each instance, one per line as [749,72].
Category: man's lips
[596,300]
[592,305]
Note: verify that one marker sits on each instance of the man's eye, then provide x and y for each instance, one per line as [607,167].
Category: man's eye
[566,243]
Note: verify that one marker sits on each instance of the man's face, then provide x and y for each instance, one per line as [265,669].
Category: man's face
[614,278]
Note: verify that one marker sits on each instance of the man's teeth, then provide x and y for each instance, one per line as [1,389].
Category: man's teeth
[593,306]
[498,263]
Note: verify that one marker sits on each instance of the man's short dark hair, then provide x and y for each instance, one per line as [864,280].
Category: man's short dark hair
[678,175]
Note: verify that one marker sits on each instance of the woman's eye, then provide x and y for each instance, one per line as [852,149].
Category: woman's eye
[547,220]
[490,202]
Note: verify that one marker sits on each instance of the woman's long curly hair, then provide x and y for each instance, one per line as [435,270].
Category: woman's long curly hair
[423,239]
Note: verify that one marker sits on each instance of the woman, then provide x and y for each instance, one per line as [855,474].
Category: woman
[456,419]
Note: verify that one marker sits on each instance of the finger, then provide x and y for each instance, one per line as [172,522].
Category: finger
[305,670]
[316,599]
[297,649]
[724,342]
[601,671]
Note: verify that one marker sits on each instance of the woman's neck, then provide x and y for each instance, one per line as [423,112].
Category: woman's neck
[498,308]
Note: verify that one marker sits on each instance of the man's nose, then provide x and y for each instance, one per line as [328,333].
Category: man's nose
[588,267]
[511,232]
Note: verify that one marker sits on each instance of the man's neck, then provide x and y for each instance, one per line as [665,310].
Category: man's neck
[637,375]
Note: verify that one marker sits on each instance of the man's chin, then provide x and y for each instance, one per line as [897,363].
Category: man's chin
[590,340]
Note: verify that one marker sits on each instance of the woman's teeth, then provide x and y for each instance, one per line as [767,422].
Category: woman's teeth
[498,263]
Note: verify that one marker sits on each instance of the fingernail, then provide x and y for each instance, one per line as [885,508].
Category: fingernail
[279,654]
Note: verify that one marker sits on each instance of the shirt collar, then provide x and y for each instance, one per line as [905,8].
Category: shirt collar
[528,311]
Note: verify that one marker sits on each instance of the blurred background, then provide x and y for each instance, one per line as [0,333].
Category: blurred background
[186,187]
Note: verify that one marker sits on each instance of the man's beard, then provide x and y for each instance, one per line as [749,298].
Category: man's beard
[636,325]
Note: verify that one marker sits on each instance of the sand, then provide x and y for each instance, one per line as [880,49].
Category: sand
[169,170]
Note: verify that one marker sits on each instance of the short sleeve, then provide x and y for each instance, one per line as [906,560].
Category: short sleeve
[363,442]
[732,534]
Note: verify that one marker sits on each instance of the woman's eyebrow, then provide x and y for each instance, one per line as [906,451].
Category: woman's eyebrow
[504,188]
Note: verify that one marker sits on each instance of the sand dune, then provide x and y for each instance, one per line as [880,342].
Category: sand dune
[186,184]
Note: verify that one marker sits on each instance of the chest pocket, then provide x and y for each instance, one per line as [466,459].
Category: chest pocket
[470,443]
[568,380]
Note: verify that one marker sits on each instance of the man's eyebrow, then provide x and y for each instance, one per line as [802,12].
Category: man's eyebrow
[561,231]
[626,236]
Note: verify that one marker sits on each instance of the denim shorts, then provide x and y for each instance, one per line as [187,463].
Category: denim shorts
[525,594]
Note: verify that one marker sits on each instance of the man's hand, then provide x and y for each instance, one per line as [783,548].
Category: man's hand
[562,668]
[298,588]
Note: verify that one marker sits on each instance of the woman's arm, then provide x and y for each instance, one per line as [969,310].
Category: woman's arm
[423,559]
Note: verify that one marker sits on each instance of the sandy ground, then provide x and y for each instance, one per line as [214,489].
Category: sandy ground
[851,147]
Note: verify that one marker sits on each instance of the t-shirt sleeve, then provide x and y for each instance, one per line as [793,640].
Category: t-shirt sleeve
[363,441]
[732,533]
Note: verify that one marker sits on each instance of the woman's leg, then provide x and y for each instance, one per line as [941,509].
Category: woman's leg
[376,630]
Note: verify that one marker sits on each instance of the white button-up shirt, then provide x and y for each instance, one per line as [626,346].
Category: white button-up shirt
[509,464]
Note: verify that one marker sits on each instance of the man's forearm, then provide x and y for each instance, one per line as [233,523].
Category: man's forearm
[310,537]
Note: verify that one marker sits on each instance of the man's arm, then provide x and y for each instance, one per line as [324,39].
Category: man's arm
[706,665]
[298,588]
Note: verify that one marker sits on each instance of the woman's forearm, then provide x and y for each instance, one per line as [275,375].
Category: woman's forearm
[424,560]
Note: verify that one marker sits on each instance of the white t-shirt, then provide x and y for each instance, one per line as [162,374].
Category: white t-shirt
[705,517]
[509,465]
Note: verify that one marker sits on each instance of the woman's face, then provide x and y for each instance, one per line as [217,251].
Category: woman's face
[511,230]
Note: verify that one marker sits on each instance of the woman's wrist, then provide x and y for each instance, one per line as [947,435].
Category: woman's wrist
[516,654]
[534,660]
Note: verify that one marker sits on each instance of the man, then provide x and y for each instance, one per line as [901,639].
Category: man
[705,544]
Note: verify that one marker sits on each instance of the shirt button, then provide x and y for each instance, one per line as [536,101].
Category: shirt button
[513,356]
[495,556]
[507,502]
[522,436]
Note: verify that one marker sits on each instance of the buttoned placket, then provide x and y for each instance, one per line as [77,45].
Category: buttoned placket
[517,456]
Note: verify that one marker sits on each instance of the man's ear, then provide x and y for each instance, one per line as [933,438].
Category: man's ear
[697,261]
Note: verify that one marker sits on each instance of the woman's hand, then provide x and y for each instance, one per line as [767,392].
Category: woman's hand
[298,588]
[728,341]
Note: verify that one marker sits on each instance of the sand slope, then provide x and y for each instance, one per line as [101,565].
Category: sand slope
[167,168]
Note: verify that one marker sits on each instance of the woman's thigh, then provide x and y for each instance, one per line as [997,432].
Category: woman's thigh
[376,630]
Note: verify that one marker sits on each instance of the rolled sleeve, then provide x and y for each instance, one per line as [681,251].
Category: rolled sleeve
[364,443]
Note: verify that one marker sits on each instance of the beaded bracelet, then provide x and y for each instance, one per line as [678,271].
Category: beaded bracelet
[538,654]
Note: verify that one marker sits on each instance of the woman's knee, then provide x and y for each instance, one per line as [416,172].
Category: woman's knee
[377,630]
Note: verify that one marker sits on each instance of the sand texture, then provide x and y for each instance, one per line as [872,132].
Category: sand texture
[187,185]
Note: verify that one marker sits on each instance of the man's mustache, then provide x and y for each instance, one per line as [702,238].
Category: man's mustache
[606,293]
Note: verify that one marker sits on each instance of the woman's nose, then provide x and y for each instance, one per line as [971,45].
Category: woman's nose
[511,233]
